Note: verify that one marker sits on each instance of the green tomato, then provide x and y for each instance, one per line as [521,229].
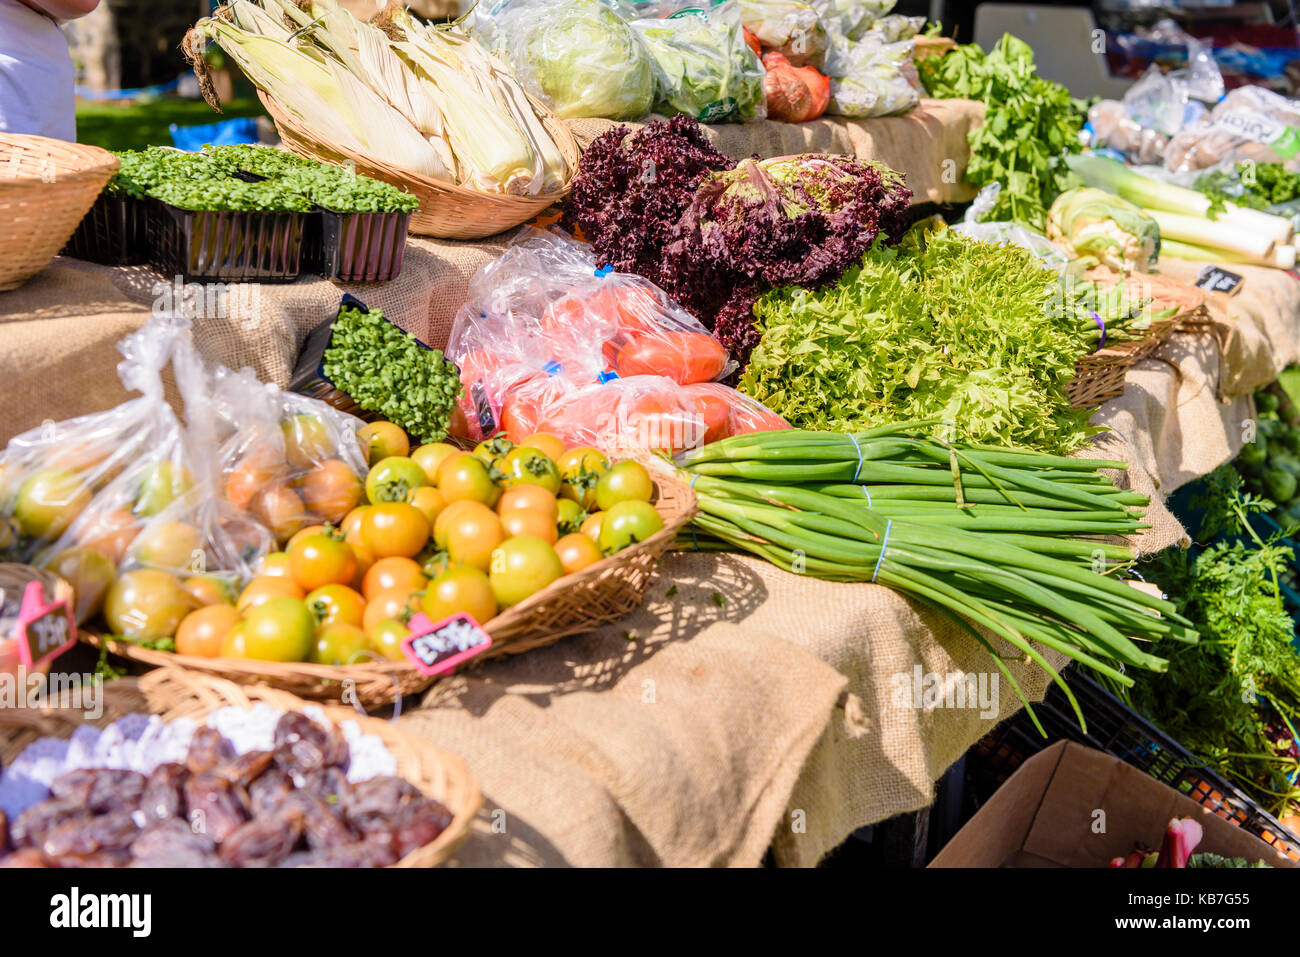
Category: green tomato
[161,485]
[341,644]
[493,450]
[282,629]
[522,566]
[529,466]
[626,482]
[49,500]
[627,523]
[90,573]
[393,478]
[146,604]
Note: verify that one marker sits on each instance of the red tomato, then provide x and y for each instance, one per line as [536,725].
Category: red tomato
[684,357]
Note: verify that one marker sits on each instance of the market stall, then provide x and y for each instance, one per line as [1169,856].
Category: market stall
[713,668]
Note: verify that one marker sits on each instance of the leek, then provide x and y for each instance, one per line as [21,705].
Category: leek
[1151,194]
[1282,257]
[1214,235]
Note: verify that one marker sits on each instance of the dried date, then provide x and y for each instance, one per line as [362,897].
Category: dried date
[30,827]
[101,789]
[164,795]
[303,746]
[264,842]
[213,806]
[208,749]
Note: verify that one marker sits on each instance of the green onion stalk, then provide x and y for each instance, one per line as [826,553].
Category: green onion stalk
[1007,541]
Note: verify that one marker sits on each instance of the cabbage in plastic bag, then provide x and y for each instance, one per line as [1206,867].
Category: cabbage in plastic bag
[868,79]
[791,26]
[578,56]
[703,66]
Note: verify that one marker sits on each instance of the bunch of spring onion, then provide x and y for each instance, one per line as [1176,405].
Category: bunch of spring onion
[1008,541]
[1189,228]
[430,100]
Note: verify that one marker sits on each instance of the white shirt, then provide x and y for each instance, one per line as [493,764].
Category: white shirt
[36,77]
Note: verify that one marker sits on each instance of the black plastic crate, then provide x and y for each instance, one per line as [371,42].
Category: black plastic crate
[114,232]
[1118,730]
[356,247]
[201,245]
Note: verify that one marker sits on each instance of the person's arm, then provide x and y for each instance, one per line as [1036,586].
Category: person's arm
[62,9]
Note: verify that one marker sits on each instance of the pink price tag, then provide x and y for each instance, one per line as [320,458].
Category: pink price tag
[436,649]
[45,629]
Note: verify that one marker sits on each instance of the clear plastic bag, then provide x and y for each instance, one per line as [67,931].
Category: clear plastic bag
[868,78]
[854,17]
[1113,128]
[544,316]
[1049,254]
[792,27]
[703,67]
[544,325]
[639,412]
[1248,124]
[284,460]
[580,57]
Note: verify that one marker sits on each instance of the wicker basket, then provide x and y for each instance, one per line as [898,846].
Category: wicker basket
[172,693]
[46,187]
[1099,376]
[446,211]
[596,595]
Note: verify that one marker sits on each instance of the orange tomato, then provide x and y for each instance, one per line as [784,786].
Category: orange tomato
[576,552]
[364,561]
[394,528]
[460,590]
[528,496]
[331,490]
[591,526]
[528,521]
[209,590]
[201,632]
[395,603]
[465,477]
[302,533]
[336,604]
[383,439]
[281,510]
[393,573]
[320,560]
[259,470]
[235,642]
[430,457]
[111,533]
[275,565]
[428,500]
[449,514]
[351,525]
[472,535]
[547,442]
[261,590]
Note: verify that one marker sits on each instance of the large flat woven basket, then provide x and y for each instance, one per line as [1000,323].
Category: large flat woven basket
[172,693]
[577,603]
[447,211]
[46,187]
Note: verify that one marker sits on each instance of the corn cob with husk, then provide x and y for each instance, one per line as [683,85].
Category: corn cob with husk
[433,100]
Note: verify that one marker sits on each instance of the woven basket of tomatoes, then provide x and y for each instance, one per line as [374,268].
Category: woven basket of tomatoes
[534,541]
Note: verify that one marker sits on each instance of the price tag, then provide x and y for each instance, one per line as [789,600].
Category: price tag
[45,629]
[436,649]
[1218,279]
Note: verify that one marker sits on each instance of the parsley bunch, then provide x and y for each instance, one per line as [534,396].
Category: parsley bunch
[1233,698]
[387,371]
[1249,184]
[1029,125]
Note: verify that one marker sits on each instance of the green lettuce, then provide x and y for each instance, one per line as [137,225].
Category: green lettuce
[584,60]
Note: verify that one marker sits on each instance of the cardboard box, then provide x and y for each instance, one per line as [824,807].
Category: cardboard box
[1071,806]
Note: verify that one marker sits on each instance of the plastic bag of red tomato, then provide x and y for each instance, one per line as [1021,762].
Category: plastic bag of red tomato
[549,341]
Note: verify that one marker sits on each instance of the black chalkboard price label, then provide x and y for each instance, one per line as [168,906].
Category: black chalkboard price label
[45,629]
[1218,279]
[437,648]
